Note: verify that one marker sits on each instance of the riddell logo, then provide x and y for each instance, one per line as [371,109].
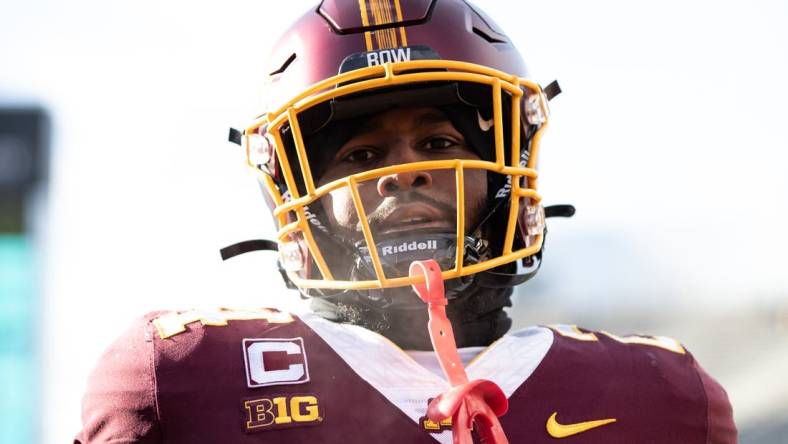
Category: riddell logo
[412,246]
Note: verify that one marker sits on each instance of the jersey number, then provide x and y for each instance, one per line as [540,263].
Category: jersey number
[571,331]
[171,324]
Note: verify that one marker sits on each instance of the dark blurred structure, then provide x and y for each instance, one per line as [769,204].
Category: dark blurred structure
[24,140]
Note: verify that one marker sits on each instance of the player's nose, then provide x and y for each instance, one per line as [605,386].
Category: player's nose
[391,184]
[402,152]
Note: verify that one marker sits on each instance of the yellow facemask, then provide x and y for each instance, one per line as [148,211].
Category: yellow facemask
[266,154]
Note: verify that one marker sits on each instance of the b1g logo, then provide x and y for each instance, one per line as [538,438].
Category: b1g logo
[281,411]
[275,362]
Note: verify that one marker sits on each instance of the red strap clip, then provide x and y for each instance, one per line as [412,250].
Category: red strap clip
[478,402]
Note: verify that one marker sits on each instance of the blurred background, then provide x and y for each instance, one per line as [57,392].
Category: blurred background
[117,185]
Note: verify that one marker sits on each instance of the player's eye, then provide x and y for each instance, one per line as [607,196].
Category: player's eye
[439,143]
[360,155]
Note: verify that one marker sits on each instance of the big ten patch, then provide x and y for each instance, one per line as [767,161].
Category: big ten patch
[280,412]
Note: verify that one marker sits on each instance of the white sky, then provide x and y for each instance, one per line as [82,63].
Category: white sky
[668,138]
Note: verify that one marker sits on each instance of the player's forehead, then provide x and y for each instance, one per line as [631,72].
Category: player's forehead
[401,119]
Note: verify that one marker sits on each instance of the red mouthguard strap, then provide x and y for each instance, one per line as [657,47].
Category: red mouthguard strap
[466,402]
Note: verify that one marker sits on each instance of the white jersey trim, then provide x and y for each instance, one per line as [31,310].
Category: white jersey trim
[508,362]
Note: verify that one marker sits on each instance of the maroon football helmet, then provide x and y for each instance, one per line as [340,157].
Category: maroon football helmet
[347,59]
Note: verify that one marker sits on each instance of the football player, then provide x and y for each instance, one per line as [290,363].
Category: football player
[395,131]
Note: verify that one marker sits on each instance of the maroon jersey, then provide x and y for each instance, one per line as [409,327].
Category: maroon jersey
[266,376]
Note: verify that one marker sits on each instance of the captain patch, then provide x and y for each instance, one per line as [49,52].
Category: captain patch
[275,362]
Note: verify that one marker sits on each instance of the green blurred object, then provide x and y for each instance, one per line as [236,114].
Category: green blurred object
[19,392]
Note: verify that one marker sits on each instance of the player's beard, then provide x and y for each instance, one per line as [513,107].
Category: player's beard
[477,315]
[477,318]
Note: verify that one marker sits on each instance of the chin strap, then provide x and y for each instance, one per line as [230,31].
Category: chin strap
[264,244]
[247,246]
[478,402]
[256,245]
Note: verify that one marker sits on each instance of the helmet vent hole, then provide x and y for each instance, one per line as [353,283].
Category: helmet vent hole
[284,65]
[486,36]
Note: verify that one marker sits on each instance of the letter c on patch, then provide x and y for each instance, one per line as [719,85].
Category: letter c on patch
[257,373]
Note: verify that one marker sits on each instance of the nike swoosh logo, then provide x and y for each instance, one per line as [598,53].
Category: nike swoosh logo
[485,125]
[557,430]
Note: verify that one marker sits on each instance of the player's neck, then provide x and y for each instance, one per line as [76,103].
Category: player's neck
[477,319]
